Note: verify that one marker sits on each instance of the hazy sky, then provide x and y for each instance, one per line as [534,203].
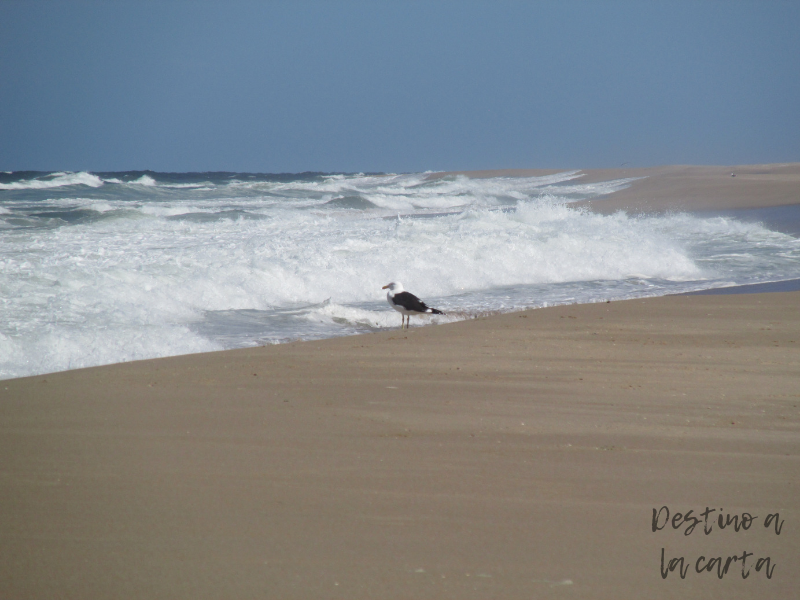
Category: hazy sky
[396,86]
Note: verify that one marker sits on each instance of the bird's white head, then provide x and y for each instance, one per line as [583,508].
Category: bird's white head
[395,287]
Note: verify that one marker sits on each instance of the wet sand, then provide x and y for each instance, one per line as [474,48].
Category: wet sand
[513,456]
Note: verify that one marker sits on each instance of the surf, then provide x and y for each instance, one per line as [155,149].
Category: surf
[151,265]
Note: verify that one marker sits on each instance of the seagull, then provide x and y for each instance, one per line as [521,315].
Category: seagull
[406,304]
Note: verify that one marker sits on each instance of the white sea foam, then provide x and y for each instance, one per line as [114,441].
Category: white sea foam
[177,274]
[54,181]
[186,186]
[144,180]
[100,207]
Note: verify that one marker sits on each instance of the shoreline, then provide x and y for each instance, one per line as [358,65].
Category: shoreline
[780,286]
[786,285]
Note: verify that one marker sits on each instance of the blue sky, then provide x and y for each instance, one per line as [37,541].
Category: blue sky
[396,86]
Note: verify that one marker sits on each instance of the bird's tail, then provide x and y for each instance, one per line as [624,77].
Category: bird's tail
[435,311]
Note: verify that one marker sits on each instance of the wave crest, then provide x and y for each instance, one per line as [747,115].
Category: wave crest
[53,181]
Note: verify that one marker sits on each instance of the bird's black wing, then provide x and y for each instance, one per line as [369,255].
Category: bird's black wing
[409,302]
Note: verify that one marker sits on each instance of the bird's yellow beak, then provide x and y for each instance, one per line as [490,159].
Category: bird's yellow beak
[384,287]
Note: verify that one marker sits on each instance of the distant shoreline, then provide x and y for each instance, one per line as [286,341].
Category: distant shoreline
[680,187]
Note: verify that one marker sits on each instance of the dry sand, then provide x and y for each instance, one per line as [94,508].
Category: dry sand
[514,456]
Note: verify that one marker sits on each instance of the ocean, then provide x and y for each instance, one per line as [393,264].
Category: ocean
[98,268]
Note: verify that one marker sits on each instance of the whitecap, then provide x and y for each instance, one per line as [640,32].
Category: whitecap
[54,180]
[144,180]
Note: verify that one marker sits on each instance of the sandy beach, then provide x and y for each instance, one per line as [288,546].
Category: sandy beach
[513,456]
